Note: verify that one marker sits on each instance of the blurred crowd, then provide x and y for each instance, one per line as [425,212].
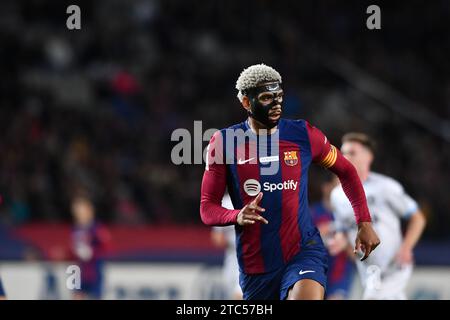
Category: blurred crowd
[94,109]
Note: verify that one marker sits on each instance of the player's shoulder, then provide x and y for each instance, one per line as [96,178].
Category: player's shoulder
[240,125]
[301,123]
[298,123]
[220,134]
[293,129]
[386,182]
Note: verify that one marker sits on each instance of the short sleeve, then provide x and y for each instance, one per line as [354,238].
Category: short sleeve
[399,201]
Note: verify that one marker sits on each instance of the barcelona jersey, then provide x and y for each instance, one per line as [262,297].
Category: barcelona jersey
[276,165]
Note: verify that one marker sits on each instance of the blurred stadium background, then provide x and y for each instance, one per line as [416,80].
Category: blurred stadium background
[94,109]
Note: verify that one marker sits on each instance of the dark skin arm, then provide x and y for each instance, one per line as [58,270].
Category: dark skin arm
[366,239]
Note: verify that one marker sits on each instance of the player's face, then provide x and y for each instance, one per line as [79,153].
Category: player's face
[357,154]
[265,103]
[275,99]
[83,212]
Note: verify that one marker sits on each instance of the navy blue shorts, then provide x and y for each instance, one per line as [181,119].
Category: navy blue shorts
[310,263]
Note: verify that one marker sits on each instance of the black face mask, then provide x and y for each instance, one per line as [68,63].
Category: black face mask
[260,111]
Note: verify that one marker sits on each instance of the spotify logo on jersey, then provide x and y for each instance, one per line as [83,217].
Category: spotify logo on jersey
[252,187]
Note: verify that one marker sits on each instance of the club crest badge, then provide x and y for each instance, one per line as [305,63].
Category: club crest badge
[290,158]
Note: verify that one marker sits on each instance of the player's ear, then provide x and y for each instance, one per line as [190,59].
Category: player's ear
[245,103]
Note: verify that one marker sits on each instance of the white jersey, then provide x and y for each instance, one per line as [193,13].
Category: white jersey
[388,204]
[230,263]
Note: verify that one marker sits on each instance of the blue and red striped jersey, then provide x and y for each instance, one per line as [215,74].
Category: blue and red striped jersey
[278,167]
[89,244]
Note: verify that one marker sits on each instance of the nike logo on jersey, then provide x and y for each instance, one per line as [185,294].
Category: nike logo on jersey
[306,271]
[240,161]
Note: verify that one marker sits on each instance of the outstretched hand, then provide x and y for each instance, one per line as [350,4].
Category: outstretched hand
[366,239]
[249,214]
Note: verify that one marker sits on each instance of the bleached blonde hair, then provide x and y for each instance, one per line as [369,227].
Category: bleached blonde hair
[254,75]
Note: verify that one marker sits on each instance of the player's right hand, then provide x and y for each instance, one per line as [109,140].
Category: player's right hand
[250,212]
[366,239]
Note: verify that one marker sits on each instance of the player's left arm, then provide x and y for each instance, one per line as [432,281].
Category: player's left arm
[328,156]
[414,230]
[406,208]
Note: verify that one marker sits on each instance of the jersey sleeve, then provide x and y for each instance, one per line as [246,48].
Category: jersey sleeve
[323,153]
[401,203]
[214,185]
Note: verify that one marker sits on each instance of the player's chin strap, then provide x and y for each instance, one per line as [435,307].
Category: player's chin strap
[259,111]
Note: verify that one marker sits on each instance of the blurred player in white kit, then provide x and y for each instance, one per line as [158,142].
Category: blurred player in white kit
[224,237]
[385,273]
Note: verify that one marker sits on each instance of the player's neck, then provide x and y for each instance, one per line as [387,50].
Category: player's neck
[258,128]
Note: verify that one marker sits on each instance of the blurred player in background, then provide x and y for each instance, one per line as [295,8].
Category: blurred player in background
[89,243]
[340,264]
[386,272]
[224,237]
[2,291]
[280,252]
